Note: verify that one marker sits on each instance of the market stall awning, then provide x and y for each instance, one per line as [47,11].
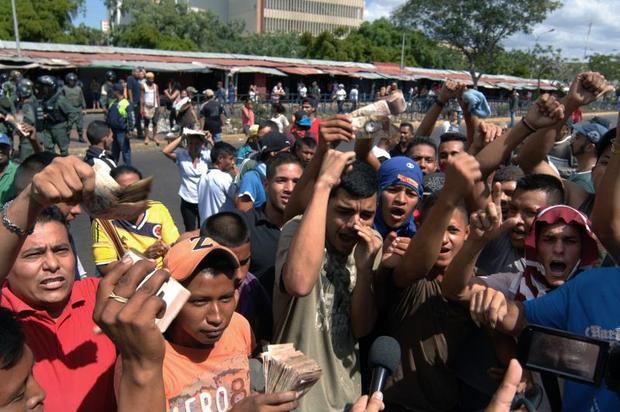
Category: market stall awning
[257,69]
[150,66]
[301,71]
[368,75]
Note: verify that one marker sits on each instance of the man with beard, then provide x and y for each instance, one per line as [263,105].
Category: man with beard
[586,88]
[323,300]
[265,223]
[586,136]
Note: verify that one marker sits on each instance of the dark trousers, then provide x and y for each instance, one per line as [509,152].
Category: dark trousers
[138,115]
[121,145]
[189,211]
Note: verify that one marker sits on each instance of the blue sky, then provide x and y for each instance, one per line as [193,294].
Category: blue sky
[566,28]
[94,12]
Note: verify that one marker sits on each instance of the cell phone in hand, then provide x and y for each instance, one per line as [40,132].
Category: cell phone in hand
[172,292]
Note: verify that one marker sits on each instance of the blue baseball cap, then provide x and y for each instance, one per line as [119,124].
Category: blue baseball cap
[592,131]
[302,119]
[402,171]
[4,139]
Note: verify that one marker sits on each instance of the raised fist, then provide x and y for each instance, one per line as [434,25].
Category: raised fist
[546,112]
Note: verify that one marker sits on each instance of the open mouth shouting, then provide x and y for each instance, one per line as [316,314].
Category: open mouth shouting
[557,269]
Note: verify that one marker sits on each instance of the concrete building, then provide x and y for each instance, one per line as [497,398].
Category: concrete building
[314,16]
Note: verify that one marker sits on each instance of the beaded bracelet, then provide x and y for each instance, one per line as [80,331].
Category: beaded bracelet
[12,227]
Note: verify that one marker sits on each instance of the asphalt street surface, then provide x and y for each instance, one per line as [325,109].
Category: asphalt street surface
[165,188]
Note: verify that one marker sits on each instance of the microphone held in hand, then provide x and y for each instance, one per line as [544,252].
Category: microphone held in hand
[383,359]
[257,376]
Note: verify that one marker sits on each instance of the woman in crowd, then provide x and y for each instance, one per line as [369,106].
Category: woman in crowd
[192,162]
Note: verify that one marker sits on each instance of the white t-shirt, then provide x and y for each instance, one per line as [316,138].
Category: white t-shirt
[341,94]
[281,121]
[303,91]
[216,193]
[353,94]
[190,174]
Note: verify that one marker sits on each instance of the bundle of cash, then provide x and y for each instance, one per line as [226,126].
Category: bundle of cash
[111,201]
[287,369]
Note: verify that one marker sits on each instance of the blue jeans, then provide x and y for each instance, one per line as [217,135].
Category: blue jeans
[121,145]
[513,119]
[217,137]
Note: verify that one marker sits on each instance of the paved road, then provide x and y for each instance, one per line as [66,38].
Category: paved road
[165,187]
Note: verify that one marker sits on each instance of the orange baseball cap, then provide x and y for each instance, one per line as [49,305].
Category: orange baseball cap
[184,257]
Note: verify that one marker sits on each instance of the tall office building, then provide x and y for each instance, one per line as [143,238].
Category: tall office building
[314,16]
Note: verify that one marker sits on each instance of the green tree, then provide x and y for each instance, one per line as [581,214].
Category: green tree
[476,28]
[39,20]
[172,25]
[380,41]
[83,34]
[607,64]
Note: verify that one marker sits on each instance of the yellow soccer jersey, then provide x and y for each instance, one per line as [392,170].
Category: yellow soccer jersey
[156,224]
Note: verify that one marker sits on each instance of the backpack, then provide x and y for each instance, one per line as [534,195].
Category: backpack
[116,121]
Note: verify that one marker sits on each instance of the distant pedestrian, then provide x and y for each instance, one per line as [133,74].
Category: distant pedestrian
[134,95]
[514,106]
[149,101]
[341,96]
[119,120]
[354,97]
[212,115]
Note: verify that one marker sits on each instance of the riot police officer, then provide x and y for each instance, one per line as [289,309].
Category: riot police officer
[32,113]
[9,87]
[106,89]
[56,109]
[74,94]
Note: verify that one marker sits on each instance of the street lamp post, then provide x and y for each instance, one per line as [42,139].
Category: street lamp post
[16,29]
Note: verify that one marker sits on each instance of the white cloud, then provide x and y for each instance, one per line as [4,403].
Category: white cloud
[376,9]
[569,23]
[570,26]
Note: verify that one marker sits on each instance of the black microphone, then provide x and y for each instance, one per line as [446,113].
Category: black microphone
[383,359]
[257,376]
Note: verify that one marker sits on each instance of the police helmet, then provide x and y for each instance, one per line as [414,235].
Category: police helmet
[110,76]
[49,81]
[46,86]
[71,77]
[24,88]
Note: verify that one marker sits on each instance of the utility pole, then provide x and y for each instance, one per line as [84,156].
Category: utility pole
[16,29]
[402,53]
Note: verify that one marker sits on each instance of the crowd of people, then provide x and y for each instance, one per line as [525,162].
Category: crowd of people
[450,248]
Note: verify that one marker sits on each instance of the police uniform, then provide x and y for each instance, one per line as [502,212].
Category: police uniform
[75,97]
[6,107]
[34,116]
[56,110]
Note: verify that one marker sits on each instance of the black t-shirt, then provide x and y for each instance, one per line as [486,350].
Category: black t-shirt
[264,237]
[212,111]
